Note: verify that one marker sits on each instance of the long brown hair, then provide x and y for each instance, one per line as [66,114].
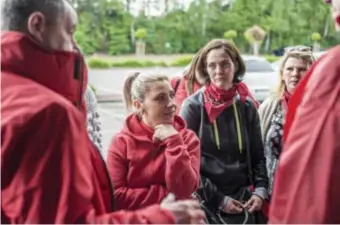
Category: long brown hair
[197,71]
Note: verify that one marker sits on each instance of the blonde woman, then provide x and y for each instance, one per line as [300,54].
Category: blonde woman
[155,153]
[295,64]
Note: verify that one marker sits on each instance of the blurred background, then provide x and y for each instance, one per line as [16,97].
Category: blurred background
[118,36]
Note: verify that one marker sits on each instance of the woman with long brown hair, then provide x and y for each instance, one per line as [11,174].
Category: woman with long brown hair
[227,123]
[193,79]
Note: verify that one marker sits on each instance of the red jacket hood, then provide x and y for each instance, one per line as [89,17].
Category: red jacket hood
[133,127]
[62,72]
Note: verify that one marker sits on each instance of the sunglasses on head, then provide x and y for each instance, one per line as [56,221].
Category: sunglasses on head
[300,48]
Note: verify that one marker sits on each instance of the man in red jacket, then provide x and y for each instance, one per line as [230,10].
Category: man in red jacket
[307,183]
[50,171]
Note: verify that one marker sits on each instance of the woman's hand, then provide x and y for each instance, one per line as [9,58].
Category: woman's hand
[254,204]
[185,211]
[233,207]
[163,131]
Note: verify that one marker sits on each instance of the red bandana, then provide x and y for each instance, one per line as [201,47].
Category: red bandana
[217,99]
[285,99]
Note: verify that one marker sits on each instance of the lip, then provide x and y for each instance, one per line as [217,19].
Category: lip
[170,113]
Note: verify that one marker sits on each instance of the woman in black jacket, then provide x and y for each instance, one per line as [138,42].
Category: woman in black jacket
[228,125]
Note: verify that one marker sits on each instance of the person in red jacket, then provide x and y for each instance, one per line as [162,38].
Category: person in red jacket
[193,80]
[50,171]
[307,186]
[154,154]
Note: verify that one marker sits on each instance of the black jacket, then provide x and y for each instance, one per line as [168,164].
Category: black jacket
[225,170]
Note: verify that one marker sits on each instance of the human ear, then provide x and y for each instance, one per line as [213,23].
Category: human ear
[36,25]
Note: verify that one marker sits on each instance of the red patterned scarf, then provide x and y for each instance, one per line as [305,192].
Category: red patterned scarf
[285,100]
[217,99]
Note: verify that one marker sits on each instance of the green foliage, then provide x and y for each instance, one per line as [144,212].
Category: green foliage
[271,58]
[93,88]
[119,42]
[100,63]
[316,37]
[249,37]
[182,61]
[141,34]
[97,63]
[106,26]
[137,63]
[230,34]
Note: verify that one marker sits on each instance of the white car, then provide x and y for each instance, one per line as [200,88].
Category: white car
[260,76]
[276,65]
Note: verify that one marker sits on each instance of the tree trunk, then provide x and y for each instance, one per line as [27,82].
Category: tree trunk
[256,48]
[316,46]
[140,47]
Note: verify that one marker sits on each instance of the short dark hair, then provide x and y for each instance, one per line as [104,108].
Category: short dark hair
[15,13]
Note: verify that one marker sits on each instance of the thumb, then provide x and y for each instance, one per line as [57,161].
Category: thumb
[168,199]
[248,203]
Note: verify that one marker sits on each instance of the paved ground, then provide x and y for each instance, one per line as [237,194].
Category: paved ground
[112,116]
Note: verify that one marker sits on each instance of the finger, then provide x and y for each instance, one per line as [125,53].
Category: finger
[169,198]
[238,204]
[252,208]
[196,215]
[192,204]
[157,127]
[249,203]
[201,222]
[234,209]
[259,204]
[155,135]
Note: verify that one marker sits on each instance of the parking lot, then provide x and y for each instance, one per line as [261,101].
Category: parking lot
[112,116]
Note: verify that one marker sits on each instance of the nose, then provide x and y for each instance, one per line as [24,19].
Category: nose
[171,103]
[296,72]
[218,69]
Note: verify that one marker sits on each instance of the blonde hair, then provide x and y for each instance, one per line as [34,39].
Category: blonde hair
[198,71]
[137,84]
[307,57]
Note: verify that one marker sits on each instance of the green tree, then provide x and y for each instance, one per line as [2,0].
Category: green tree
[230,34]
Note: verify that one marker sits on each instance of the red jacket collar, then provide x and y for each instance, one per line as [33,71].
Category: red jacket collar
[62,72]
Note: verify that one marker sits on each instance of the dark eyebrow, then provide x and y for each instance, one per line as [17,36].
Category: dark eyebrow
[159,95]
[222,61]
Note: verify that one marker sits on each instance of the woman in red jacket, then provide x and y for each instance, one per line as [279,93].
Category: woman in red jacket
[154,154]
[193,80]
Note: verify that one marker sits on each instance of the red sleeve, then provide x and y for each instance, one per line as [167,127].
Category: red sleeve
[53,181]
[126,197]
[307,181]
[182,164]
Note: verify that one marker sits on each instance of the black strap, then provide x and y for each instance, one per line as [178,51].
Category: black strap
[177,84]
[248,153]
